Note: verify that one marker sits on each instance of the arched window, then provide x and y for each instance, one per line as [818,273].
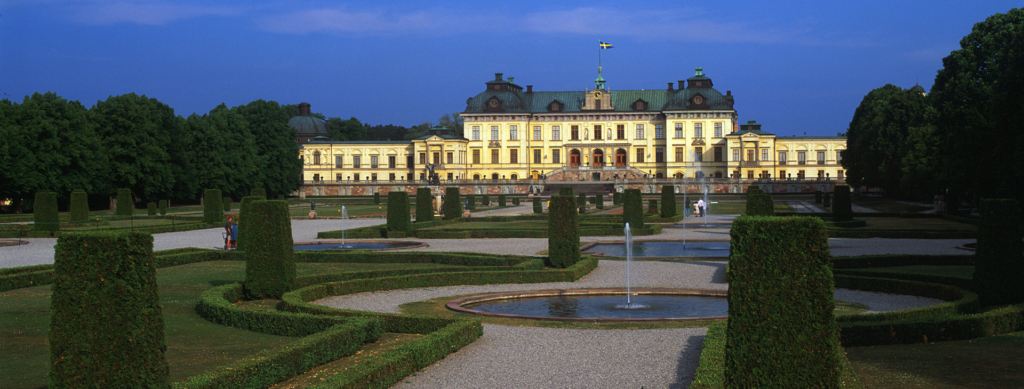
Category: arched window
[679,176]
[515,177]
[659,175]
[718,174]
[316,157]
[494,176]
[476,177]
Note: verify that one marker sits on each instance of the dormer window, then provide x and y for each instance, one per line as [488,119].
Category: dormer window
[555,106]
[493,105]
[640,105]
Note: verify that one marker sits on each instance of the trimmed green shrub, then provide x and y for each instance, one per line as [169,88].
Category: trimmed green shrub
[754,189]
[124,205]
[106,324]
[424,205]
[537,207]
[563,232]
[633,209]
[616,198]
[668,201]
[502,200]
[398,212]
[515,201]
[258,191]
[599,201]
[282,197]
[827,200]
[565,191]
[151,208]
[1000,265]
[269,256]
[244,216]
[227,204]
[44,212]
[213,210]
[452,203]
[581,202]
[162,206]
[376,198]
[760,204]
[79,205]
[817,196]
[842,207]
[782,331]
[652,206]
[471,202]
[485,199]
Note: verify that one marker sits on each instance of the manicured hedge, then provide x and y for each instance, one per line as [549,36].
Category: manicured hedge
[652,206]
[827,200]
[470,202]
[376,198]
[424,205]
[162,206]
[106,324]
[960,327]
[502,200]
[452,203]
[633,209]
[760,204]
[515,201]
[244,217]
[616,198]
[151,208]
[565,191]
[44,212]
[79,205]
[269,256]
[398,212]
[581,202]
[599,201]
[485,199]
[668,201]
[782,331]
[1000,253]
[124,202]
[537,207]
[842,207]
[260,192]
[227,204]
[563,232]
[213,210]
[876,261]
[817,196]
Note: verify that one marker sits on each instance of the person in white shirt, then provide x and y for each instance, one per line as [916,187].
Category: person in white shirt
[700,206]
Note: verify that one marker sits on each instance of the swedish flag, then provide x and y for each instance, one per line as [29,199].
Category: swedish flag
[605,45]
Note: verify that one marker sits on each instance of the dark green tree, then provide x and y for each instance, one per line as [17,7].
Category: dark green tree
[452,203]
[668,201]
[633,208]
[280,168]
[221,153]
[424,205]
[399,218]
[452,121]
[563,232]
[346,130]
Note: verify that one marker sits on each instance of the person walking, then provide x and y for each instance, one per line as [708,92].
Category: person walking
[700,206]
[234,236]
[227,233]
[687,208]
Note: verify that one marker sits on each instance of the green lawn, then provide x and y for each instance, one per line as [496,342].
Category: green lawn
[901,223]
[732,207]
[966,272]
[194,345]
[993,362]
[882,205]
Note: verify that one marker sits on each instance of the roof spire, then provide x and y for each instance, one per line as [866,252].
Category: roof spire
[700,71]
[600,80]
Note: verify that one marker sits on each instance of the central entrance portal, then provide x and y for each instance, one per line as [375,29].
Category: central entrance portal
[574,158]
[620,157]
[598,158]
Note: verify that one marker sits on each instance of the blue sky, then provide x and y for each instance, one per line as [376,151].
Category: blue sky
[795,67]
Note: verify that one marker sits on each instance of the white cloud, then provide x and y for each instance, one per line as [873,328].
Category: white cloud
[139,11]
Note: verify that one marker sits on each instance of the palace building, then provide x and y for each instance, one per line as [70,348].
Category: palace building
[685,131]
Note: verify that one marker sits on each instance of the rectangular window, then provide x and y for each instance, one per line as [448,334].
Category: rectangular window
[800,174]
[373,162]
[556,156]
[423,158]
[718,154]
[437,158]
[659,131]
[764,174]
[449,176]
[476,156]
[574,133]
[735,155]
[839,174]
[659,155]
[423,176]
[391,162]
[782,158]
[536,133]
[597,132]
[839,158]
[821,174]
[639,155]
[621,131]
[679,130]
[495,156]
[337,177]
[494,133]
[476,132]
[639,131]
[355,161]
[556,133]
[373,177]
[450,158]
[750,174]
[338,160]
[782,174]
[801,158]
[391,176]
[355,177]
[680,154]
[698,154]
[698,130]
[536,156]
[513,132]
[513,156]
[409,161]
[821,157]
[718,130]
[764,154]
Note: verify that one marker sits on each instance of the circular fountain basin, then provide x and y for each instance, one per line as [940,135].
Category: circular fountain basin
[375,245]
[660,249]
[599,305]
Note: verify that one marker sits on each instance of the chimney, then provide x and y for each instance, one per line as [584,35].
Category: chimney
[670,85]
[304,109]
[728,93]
[682,83]
[497,76]
[510,80]
[529,89]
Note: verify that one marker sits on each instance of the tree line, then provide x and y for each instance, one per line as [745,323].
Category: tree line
[136,142]
[964,140]
[354,130]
